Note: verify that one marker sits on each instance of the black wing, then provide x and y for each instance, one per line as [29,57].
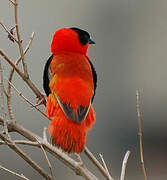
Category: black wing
[46,76]
[94,78]
[82,111]
[77,117]
[68,111]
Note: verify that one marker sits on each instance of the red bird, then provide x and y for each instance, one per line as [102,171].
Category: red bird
[69,81]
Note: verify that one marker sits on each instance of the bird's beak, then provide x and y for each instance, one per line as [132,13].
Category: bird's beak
[91,41]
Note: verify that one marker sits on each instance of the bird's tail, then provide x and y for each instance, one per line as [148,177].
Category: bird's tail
[65,133]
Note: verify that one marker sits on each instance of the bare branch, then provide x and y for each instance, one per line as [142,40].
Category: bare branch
[79,159]
[9,33]
[19,39]
[21,95]
[12,2]
[23,142]
[11,115]
[1,93]
[5,56]
[97,164]
[25,51]
[47,159]
[124,163]
[75,166]
[14,173]
[22,154]
[44,134]
[2,89]
[28,81]
[105,166]
[140,135]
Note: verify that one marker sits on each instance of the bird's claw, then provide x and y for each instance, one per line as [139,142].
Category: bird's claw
[41,101]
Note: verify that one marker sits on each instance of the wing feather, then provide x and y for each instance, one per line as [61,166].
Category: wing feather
[46,76]
[94,77]
[77,117]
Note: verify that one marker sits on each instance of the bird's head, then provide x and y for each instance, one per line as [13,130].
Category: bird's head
[71,40]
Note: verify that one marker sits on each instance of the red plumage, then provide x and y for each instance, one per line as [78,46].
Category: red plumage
[72,87]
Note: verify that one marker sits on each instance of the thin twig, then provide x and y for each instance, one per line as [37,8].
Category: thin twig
[19,39]
[12,2]
[25,51]
[23,155]
[23,142]
[21,95]
[140,135]
[2,92]
[2,104]
[44,134]
[105,166]
[124,163]
[11,115]
[47,159]
[79,159]
[28,81]
[14,173]
[5,56]
[97,164]
[9,33]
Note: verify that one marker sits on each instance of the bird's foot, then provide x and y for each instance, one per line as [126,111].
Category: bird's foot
[41,101]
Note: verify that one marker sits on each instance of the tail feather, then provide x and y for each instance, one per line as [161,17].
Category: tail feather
[67,134]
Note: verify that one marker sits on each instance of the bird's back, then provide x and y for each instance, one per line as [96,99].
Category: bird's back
[72,79]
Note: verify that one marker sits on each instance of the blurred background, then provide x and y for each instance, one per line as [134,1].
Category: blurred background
[130,53]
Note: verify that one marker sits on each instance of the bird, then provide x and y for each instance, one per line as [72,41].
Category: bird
[70,81]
